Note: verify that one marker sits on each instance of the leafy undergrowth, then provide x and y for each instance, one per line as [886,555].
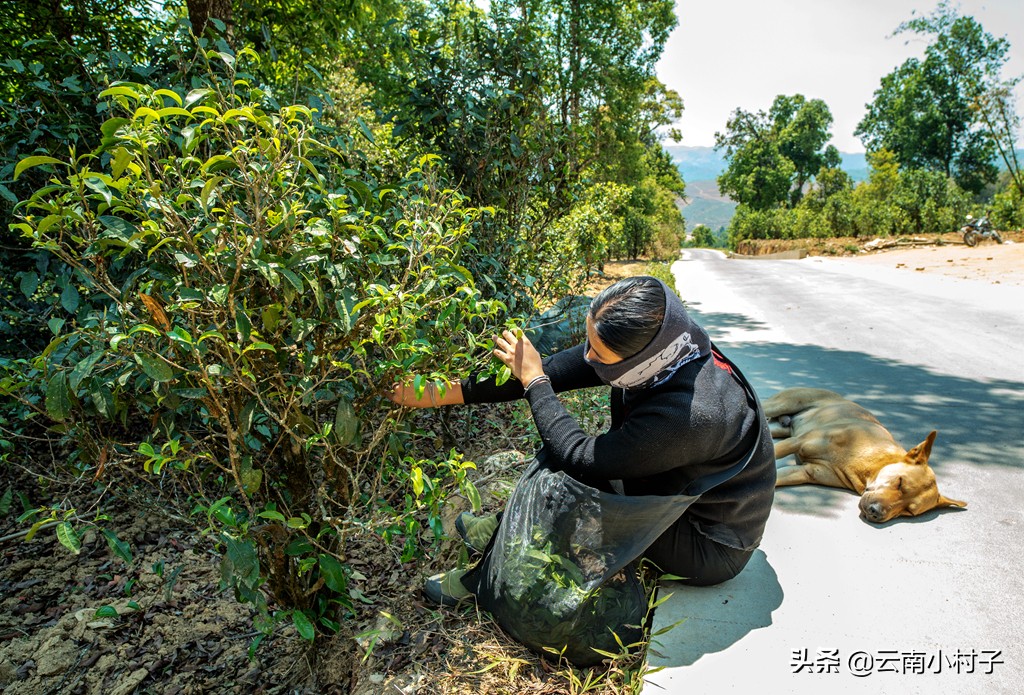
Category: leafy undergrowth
[152,617]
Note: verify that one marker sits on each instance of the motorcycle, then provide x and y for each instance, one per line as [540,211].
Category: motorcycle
[976,230]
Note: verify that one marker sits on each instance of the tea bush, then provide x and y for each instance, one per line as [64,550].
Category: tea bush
[242,288]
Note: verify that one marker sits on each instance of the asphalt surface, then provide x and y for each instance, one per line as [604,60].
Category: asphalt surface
[829,602]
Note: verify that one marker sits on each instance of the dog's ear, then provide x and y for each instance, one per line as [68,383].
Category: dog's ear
[920,453]
[946,502]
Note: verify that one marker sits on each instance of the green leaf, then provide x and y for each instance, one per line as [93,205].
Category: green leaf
[416,475]
[299,546]
[208,188]
[106,612]
[303,625]
[83,369]
[245,417]
[259,346]
[103,399]
[99,186]
[243,325]
[251,480]
[314,71]
[240,564]
[346,424]
[68,538]
[35,529]
[504,374]
[218,162]
[119,161]
[473,495]
[5,501]
[292,278]
[8,195]
[117,546]
[174,111]
[360,190]
[364,129]
[112,125]
[29,162]
[174,96]
[333,573]
[118,228]
[69,298]
[197,95]
[271,317]
[155,368]
[29,284]
[58,397]
[120,91]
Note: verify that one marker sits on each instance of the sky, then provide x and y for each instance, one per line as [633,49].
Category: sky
[730,54]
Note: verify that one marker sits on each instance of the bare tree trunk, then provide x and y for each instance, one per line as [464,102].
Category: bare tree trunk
[200,12]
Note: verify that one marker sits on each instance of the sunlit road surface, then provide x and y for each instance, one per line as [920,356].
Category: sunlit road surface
[829,602]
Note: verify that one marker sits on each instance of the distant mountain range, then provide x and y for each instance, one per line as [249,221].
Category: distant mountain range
[705,164]
[700,167]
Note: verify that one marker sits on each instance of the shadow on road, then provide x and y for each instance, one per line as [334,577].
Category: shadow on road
[716,617]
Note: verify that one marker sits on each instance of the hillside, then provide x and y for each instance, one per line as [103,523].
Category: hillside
[706,205]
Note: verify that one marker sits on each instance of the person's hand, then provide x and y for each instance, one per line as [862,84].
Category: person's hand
[519,355]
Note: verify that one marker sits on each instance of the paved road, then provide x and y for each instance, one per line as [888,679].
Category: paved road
[923,605]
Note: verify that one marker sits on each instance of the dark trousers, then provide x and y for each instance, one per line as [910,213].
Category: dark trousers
[700,561]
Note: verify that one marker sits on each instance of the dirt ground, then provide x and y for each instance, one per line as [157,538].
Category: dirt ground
[940,254]
[997,264]
[92,624]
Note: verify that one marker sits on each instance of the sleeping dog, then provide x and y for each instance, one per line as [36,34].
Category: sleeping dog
[837,443]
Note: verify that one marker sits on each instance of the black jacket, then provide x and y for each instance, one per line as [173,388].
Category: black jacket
[661,439]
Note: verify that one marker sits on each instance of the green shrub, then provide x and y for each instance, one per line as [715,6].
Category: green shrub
[1008,209]
[243,289]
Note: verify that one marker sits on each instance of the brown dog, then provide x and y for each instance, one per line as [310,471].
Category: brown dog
[840,444]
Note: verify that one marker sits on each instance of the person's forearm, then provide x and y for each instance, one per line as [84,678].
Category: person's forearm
[405,394]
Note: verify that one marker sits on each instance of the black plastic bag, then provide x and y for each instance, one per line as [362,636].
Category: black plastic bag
[559,573]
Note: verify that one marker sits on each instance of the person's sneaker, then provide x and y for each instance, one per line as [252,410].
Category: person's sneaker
[476,531]
[446,589]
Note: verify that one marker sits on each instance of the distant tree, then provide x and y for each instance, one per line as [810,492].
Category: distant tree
[949,112]
[702,237]
[758,175]
[976,60]
[803,131]
[772,156]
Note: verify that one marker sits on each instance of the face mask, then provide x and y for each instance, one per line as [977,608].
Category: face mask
[678,341]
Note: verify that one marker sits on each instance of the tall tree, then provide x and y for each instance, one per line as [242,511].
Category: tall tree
[802,129]
[945,112]
[772,156]
[201,12]
[975,59]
